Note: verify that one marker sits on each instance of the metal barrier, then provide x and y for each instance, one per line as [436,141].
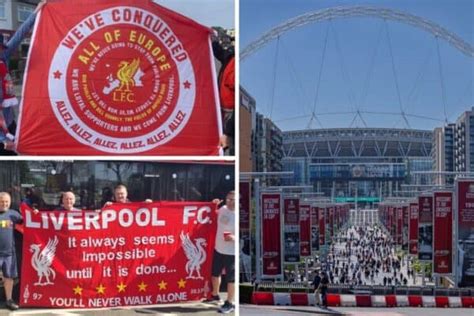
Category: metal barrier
[342,289]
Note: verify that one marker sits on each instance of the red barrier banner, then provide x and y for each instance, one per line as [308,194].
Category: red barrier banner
[425,228]
[128,254]
[305,231]
[322,225]
[443,232]
[271,234]
[244,207]
[413,229]
[465,232]
[291,230]
[108,77]
[314,228]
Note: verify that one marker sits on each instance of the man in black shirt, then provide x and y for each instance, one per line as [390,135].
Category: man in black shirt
[324,289]
[316,284]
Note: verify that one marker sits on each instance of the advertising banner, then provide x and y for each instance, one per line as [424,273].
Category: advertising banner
[399,214]
[291,230]
[128,254]
[425,228]
[465,232]
[305,230]
[314,228]
[244,238]
[108,77]
[331,220]
[271,234]
[413,229]
[322,225]
[443,232]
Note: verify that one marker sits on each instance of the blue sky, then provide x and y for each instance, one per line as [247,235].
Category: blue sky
[206,12]
[346,83]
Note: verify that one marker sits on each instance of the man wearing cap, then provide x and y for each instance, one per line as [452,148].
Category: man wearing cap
[7,95]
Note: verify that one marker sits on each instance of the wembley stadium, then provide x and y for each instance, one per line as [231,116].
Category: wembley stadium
[361,165]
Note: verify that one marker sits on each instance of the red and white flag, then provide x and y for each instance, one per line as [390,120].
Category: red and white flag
[108,77]
[129,254]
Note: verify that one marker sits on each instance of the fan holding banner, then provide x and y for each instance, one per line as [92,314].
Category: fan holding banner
[113,78]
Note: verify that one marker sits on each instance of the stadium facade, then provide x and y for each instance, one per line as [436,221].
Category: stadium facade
[357,164]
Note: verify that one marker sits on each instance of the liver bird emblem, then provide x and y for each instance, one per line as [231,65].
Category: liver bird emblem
[126,74]
[42,260]
[196,255]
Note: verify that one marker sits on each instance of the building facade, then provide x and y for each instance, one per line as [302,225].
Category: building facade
[12,14]
[268,149]
[363,164]
[443,154]
[247,124]
[464,142]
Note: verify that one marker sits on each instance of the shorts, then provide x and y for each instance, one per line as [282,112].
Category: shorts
[8,266]
[220,262]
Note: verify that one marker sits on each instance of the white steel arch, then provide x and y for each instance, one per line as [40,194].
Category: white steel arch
[359,11]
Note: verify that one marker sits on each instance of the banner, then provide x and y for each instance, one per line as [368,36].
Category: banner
[244,228]
[305,231]
[443,232]
[425,228]
[413,229]
[291,229]
[399,222]
[322,225]
[331,220]
[405,227]
[337,216]
[465,232]
[271,234]
[128,254]
[244,207]
[118,78]
[314,228]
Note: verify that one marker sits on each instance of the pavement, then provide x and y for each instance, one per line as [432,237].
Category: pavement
[194,308]
[352,311]
[378,280]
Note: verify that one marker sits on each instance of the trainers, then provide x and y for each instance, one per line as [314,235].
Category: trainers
[11,305]
[226,308]
[212,299]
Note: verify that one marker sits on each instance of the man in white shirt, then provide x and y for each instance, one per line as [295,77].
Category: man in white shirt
[224,254]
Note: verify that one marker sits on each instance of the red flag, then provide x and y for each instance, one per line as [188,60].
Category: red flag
[425,228]
[271,240]
[305,231]
[108,78]
[443,232]
[314,228]
[399,223]
[413,229]
[244,209]
[322,225]
[464,232]
[291,233]
[129,254]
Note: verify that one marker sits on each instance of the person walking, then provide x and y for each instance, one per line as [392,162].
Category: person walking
[316,288]
[324,289]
